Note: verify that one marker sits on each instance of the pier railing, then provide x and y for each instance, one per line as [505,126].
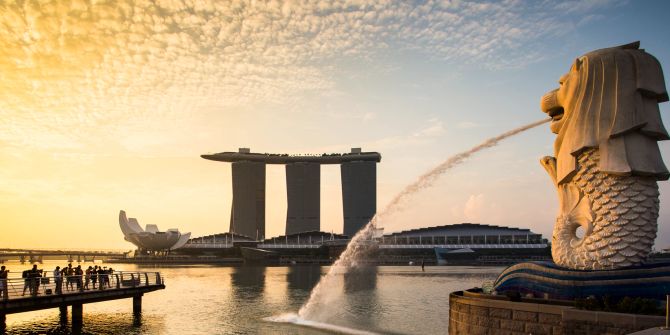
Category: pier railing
[16,288]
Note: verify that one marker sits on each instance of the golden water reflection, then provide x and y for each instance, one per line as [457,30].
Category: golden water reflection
[234,300]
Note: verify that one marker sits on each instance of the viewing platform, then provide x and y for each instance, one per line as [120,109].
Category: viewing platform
[31,294]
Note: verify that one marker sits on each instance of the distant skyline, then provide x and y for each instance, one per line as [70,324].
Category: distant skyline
[108,106]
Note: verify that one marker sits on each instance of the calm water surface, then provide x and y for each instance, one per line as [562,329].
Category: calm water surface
[234,300]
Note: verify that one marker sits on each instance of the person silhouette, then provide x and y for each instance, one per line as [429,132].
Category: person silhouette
[3,283]
[58,278]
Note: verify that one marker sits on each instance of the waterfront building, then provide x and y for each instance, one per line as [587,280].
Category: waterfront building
[464,234]
[151,239]
[247,216]
[308,239]
[466,243]
[303,179]
[457,244]
[221,240]
[303,195]
[359,194]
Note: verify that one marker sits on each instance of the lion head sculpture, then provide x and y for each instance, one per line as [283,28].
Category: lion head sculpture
[609,100]
[607,162]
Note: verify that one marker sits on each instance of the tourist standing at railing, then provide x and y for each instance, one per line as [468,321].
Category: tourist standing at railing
[63,279]
[69,280]
[26,281]
[101,277]
[34,276]
[111,274]
[94,275]
[88,277]
[105,276]
[3,283]
[58,279]
[79,274]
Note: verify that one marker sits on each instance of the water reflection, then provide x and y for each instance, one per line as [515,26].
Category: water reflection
[94,323]
[361,300]
[234,300]
[303,277]
[360,278]
[248,282]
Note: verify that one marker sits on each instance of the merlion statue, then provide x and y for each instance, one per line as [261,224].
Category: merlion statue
[607,161]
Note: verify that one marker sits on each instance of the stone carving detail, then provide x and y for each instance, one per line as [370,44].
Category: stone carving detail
[607,161]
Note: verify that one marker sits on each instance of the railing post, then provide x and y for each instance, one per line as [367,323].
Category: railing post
[118,282]
[132,279]
[146,278]
[158,278]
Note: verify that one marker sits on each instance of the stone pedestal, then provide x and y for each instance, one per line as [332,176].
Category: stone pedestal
[473,313]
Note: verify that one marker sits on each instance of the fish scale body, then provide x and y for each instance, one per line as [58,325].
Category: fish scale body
[624,211]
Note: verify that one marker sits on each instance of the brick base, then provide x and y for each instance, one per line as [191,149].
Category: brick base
[477,314]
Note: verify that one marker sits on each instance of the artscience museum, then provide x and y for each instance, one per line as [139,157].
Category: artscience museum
[151,239]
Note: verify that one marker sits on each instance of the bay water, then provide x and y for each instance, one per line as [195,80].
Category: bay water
[201,299]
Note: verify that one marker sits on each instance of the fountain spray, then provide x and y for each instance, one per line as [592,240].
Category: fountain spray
[352,257]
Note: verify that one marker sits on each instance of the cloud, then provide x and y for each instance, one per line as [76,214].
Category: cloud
[467,125]
[435,129]
[473,207]
[369,116]
[582,7]
[589,18]
[425,135]
[350,115]
[78,70]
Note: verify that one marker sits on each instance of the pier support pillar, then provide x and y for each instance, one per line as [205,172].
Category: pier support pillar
[137,304]
[63,314]
[77,316]
[3,323]
[137,310]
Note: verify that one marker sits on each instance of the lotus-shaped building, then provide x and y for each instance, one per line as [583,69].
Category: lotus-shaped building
[151,238]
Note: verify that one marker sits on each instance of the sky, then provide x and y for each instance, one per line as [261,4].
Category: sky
[108,105]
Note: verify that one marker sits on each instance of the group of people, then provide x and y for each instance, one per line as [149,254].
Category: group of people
[76,276]
[73,277]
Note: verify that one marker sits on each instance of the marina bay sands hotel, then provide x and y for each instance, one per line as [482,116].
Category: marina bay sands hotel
[303,178]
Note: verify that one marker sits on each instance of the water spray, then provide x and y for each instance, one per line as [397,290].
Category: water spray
[349,259]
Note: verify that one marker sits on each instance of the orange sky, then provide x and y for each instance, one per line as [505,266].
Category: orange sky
[107,106]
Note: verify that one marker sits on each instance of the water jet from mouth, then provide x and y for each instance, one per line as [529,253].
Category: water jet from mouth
[353,257]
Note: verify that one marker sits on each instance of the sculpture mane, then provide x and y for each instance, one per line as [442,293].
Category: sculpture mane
[607,159]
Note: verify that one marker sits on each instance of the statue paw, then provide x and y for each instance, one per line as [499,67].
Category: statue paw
[549,164]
